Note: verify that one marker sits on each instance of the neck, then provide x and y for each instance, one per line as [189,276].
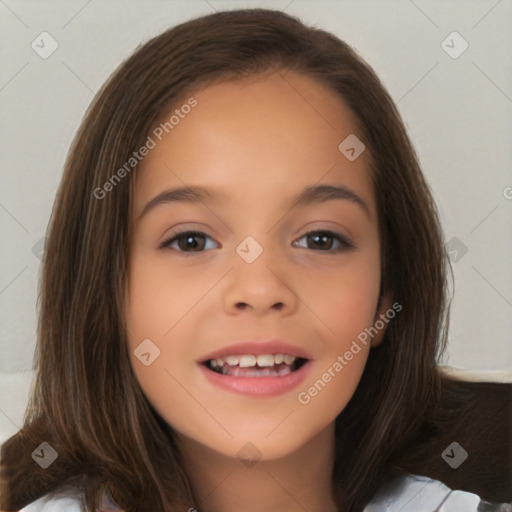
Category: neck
[297,482]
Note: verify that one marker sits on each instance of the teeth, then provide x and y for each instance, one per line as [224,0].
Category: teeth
[249,360]
[232,360]
[288,359]
[265,360]
[278,358]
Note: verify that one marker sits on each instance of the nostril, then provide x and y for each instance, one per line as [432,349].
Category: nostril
[243,306]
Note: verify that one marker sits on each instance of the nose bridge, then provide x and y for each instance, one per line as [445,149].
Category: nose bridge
[258,279]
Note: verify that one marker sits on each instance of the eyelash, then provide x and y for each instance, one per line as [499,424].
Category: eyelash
[345,244]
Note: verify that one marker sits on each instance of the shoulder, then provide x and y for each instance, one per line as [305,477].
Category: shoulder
[72,500]
[411,493]
[64,503]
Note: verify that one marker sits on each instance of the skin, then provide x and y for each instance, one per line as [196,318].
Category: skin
[261,141]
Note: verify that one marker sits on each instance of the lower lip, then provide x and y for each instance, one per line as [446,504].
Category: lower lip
[258,386]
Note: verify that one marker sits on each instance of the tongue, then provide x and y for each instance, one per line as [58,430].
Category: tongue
[256,371]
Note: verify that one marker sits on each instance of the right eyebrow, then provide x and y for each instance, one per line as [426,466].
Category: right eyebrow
[181,194]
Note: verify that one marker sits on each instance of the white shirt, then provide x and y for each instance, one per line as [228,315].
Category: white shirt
[411,493]
[414,493]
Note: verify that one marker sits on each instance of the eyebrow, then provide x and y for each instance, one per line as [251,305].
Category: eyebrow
[310,195]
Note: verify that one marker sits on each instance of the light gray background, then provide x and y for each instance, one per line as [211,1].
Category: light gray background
[458,112]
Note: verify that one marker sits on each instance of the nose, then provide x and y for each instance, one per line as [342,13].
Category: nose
[260,288]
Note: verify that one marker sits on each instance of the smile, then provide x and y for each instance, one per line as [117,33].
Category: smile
[263,375]
[249,365]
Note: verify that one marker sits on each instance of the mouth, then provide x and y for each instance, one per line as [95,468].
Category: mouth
[251,365]
[257,368]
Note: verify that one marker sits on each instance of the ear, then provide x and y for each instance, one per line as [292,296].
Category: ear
[385,302]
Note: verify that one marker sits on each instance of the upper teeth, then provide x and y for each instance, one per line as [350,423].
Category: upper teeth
[248,360]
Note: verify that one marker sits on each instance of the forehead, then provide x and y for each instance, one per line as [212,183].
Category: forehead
[258,137]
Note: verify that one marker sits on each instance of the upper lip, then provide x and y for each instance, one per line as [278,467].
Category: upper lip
[257,348]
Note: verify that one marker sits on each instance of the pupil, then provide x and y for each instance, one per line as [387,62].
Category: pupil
[189,242]
[321,238]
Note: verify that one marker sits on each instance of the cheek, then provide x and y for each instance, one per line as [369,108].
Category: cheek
[345,300]
[338,371]
[160,296]
[156,302]
[160,304]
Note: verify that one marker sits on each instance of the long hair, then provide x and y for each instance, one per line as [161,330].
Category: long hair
[86,402]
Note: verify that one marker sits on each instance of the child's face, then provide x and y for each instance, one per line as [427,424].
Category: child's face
[256,143]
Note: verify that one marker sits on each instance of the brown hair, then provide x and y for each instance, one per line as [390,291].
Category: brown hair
[87,403]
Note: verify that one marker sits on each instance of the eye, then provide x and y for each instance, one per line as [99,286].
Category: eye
[187,241]
[194,241]
[323,241]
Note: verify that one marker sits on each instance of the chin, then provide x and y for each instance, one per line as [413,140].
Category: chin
[255,445]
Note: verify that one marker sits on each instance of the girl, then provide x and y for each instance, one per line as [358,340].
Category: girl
[244,293]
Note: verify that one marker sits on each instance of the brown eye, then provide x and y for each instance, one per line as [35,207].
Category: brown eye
[186,241]
[324,241]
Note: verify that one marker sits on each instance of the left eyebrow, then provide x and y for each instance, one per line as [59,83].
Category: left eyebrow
[310,195]
[322,193]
